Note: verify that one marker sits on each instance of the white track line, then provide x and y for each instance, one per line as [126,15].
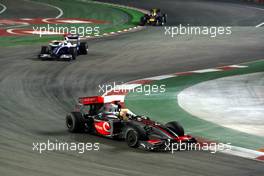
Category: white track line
[4,8]
[53,6]
[116,5]
[259,25]
[59,9]
[261,9]
[257,8]
[58,16]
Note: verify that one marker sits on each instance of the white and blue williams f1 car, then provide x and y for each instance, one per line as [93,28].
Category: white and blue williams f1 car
[68,49]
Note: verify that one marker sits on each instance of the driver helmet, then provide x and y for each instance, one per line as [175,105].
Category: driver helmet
[111,107]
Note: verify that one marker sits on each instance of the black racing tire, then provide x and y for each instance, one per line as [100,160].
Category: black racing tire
[176,128]
[73,52]
[134,134]
[164,17]
[142,21]
[83,48]
[132,138]
[161,21]
[75,122]
[44,50]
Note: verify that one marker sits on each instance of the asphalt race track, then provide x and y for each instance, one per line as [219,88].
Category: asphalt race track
[36,95]
[202,12]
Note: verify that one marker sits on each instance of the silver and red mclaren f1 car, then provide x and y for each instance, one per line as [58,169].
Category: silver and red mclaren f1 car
[93,115]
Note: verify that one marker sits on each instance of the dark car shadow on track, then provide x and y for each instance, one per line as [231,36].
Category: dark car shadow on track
[93,56]
[36,59]
[108,144]
[58,133]
[116,145]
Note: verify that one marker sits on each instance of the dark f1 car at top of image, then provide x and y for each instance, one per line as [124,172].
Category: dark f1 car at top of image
[93,115]
[154,18]
[68,49]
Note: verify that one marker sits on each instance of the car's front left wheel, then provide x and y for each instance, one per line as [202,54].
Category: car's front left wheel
[44,50]
[132,138]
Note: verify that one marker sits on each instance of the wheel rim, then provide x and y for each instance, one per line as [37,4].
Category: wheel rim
[69,122]
[131,138]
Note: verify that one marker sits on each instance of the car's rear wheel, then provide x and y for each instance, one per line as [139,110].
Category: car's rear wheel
[75,122]
[83,48]
[44,50]
[164,17]
[176,128]
[143,20]
[132,138]
[160,21]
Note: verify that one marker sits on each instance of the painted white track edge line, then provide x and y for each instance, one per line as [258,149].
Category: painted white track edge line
[4,8]
[259,25]
[53,6]
[261,9]
[256,8]
[117,5]
[58,16]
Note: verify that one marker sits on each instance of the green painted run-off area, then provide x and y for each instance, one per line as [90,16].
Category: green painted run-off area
[164,107]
